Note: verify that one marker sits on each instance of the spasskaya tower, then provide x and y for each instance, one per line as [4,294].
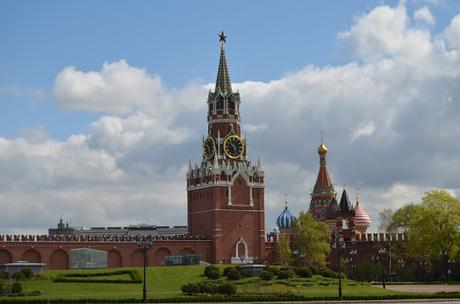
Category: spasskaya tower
[225,192]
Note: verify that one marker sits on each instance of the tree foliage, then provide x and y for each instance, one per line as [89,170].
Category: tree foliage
[283,250]
[310,239]
[432,227]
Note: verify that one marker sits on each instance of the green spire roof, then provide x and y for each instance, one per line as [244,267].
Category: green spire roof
[223,77]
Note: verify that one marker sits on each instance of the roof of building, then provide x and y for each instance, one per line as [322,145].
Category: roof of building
[285,219]
[323,180]
[362,219]
[223,83]
[345,204]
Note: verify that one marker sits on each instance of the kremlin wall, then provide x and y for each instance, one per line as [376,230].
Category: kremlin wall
[225,208]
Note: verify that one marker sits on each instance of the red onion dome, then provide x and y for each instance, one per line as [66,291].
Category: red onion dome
[361,217]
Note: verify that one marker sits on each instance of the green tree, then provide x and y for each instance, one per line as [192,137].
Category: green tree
[283,250]
[432,227]
[311,239]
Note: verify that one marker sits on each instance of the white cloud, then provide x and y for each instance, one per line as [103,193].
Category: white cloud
[452,33]
[116,88]
[366,128]
[424,14]
[402,93]
[250,128]
[385,32]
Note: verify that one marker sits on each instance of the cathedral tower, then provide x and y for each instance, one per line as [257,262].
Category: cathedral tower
[323,195]
[225,192]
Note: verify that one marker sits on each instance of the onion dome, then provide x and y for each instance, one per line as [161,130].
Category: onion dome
[345,204]
[322,149]
[285,219]
[361,217]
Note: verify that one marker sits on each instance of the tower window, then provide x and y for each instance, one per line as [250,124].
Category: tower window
[210,107]
[231,104]
[220,102]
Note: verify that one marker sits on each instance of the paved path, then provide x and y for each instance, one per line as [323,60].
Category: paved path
[428,288]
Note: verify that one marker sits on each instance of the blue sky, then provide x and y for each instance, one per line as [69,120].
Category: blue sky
[364,72]
[175,39]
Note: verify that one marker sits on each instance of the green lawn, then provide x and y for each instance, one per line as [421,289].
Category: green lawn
[165,282]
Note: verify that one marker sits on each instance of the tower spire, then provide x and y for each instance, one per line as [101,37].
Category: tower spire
[323,180]
[223,82]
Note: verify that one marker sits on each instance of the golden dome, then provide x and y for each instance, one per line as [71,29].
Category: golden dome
[322,149]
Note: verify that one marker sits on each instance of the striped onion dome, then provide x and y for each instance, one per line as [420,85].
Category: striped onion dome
[361,217]
[285,219]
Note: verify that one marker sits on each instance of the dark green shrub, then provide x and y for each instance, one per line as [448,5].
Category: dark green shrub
[210,268]
[28,273]
[304,272]
[327,273]
[207,287]
[227,289]
[18,276]
[2,289]
[233,274]
[4,275]
[190,288]
[16,288]
[273,269]
[227,269]
[213,274]
[314,269]
[285,274]
[267,275]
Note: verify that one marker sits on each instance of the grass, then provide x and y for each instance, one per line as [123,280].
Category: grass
[165,282]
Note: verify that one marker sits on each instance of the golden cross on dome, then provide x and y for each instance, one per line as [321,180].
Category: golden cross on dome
[285,199]
[222,37]
[322,137]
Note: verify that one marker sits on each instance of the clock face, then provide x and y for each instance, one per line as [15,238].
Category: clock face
[209,148]
[233,146]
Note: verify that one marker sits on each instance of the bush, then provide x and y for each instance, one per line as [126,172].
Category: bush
[285,274]
[190,288]
[18,276]
[2,289]
[304,272]
[233,274]
[4,275]
[327,273]
[210,268]
[314,269]
[227,269]
[207,287]
[273,269]
[28,273]
[213,274]
[227,289]
[267,275]
[16,288]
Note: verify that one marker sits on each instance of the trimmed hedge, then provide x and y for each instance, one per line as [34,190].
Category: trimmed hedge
[236,298]
[285,274]
[233,274]
[267,275]
[83,277]
[304,272]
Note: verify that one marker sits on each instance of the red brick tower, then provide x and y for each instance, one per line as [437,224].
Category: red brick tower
[323,194]
[225,192]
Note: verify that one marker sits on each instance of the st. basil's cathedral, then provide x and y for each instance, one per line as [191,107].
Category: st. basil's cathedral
[225,206]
